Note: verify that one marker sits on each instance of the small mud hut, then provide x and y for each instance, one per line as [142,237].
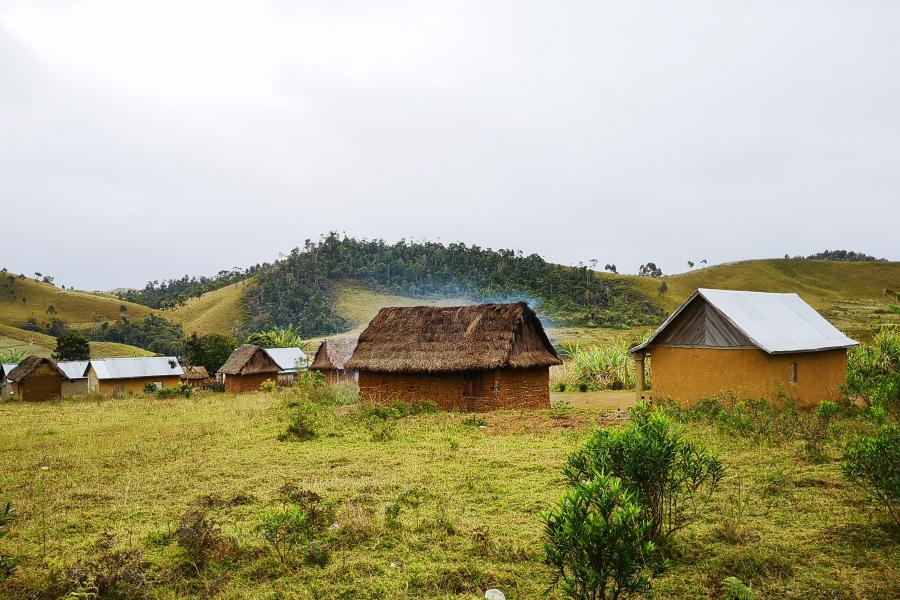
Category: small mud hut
[36,379]
[196,376]
[331,359]
[473,358]
[247,368]
[749,344]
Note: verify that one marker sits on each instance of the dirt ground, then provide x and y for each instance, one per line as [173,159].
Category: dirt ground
[620,400]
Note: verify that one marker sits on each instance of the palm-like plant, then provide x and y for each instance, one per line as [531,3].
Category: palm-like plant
[894,308]
[277,337]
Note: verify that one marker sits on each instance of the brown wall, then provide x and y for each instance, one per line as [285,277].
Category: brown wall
[502,388]
[41,384]
[112,387]
[236,384]
[686,374]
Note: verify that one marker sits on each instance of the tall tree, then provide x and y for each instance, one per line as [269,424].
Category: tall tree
[71,345]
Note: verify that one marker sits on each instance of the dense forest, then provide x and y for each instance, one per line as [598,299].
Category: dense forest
[172,292]
[299,289]
[296,291]
[843,256]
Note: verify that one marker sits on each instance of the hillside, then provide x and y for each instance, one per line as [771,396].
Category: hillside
[30,342]
[21,298]
[218,311]
[849,294]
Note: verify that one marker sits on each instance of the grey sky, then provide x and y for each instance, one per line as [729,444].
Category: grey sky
[145,140]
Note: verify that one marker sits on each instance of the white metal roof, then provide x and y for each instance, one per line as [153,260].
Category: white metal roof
[74,369]
[777,323]
[287,358]
[7,367]
[131,368]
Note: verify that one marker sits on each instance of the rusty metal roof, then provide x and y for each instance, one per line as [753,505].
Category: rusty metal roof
[776,323]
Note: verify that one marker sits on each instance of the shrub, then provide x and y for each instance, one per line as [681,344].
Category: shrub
[873,370]
[268,386]
[294,531]
[597,541]
[873,463]
[150,388]
[735,589]
[199,538]
[110,573]
[668,475]
[183,390]
[286,532]
[305,419]
[7,563]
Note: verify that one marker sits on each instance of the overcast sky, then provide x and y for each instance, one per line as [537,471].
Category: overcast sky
[145,140]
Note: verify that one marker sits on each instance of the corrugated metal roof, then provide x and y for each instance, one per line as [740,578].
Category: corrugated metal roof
[776,323]
[131,368]
[74,369]
[7,367]
[287,357]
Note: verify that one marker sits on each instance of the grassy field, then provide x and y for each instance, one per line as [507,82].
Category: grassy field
[445,507]
[219,311]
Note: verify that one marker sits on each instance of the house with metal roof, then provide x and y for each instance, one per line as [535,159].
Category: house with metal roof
[113,376]
[746,344]
[289,360]
[76,382]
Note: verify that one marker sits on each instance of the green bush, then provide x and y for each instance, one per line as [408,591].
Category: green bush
[668,475]
[268,386]
[184,390]
[873,371]
[873,463]
[597,542]
[287,532]
[7,563]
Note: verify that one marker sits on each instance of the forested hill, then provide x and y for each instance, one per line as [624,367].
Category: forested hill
[299,290]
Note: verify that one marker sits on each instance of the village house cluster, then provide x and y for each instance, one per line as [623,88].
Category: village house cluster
[490,356]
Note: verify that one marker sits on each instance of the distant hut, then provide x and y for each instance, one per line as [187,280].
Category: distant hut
[752,344]
[473,358]
[247,368]
[331,359]
[196,376]
[36,379]
[114,376]
[76,382]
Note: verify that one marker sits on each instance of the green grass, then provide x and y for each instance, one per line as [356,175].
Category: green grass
[134,466]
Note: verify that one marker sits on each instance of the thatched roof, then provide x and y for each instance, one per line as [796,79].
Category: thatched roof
[333,354]
[433,339]
[27,366]
[195,373]
[249,360]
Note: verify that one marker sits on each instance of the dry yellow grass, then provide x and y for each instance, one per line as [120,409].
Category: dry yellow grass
[40,344]
[219,311]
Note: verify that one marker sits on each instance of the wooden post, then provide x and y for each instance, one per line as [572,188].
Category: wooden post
[639,375]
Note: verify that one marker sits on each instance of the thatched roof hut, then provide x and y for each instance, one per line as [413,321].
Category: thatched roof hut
[461,357]
[448,339]
[247,368]
[333,354]
[32,364]
[36,379]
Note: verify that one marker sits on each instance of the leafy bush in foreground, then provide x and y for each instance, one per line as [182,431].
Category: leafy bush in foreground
[873,463]
[873,370]
[597,541]
[667,474]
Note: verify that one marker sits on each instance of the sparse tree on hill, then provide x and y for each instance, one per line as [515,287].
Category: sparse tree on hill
[51,310]
[611,269]
[71,345]
[690,264]
[703,262]
[663,288]
[650,270]
[123,309]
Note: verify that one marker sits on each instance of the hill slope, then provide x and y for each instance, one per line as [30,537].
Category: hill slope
[30,342]
[850,295]
[219,311]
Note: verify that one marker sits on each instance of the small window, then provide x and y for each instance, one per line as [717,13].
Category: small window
[793,372]
[474,385]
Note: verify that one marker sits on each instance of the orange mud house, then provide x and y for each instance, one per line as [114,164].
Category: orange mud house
[247,368]
[473,358]
[36,379]
[115,376]
[332,357]
[749,344]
